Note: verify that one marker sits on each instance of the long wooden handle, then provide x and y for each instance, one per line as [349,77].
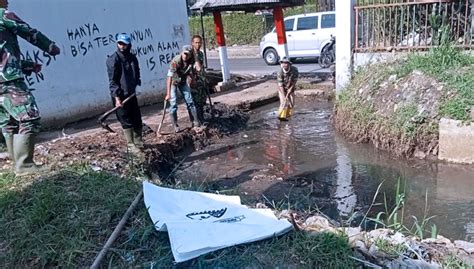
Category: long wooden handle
[116,231]
[162,118]
[106,114]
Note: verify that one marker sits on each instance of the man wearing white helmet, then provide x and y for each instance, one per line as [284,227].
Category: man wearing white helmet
[286,78]
[124,77]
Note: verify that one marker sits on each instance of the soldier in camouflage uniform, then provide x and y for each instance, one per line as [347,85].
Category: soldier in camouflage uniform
[19,114]
[199,82]
[287,78]
[177,79]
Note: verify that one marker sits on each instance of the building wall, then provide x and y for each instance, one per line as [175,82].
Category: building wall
[74,84]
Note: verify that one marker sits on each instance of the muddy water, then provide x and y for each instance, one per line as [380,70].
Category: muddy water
[302,164]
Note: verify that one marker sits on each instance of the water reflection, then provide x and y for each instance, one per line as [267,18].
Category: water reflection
[279,148]
[304,163]
[345,195]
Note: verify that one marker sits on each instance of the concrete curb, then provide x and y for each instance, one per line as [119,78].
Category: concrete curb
[236,52]
[246,95]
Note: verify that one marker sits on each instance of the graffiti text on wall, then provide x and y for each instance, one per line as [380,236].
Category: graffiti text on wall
[88,37]
[38,57]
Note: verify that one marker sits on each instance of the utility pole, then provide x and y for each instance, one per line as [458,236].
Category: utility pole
[345,31]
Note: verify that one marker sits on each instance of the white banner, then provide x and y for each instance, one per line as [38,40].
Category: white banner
[199,223]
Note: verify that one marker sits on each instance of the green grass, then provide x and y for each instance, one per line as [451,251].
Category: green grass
[360,114]
[453,262]
[404,120]
[295,249]
[452,67]
[393,216]
[386,247]
[64,219]
[241,28]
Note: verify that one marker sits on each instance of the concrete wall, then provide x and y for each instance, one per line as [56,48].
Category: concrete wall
[362,59]
[456,141]
[74,84]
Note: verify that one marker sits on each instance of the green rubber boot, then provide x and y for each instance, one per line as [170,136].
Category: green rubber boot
[138,137]
[23,151]
[131,147]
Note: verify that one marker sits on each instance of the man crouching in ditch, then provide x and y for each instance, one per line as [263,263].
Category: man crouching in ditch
[286,78]
[19,114]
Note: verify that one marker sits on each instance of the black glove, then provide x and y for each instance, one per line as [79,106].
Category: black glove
[54,50]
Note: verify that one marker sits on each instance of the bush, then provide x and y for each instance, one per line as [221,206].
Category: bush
[240,28]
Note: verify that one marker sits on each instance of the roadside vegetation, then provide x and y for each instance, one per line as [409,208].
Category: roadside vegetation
[397,106]
[240,28]
[65,218]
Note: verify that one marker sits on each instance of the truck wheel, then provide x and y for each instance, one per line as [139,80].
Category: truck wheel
[270,56]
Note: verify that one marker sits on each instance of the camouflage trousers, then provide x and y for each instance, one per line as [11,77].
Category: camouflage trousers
[19,113]
[199,93]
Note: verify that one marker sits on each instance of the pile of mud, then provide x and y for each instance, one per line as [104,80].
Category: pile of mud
[397,114]
[104,151]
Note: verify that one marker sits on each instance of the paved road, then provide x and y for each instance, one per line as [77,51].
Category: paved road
[256,66]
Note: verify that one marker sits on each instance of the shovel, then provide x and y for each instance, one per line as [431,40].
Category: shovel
[102,118]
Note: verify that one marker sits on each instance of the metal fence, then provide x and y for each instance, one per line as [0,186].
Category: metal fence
[384,25]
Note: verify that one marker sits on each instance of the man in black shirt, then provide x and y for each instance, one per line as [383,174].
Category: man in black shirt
[124,77]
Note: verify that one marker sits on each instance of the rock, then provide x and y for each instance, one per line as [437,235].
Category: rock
[353,233]
[373,250]
[360,245]
[379,234]
[224,86]
[261,205]
[392,78]
[419,154]
[466,246]
[398,238]
[285,214]
[410,263]
[310,93]
[439,240]
[96,168]
[318,224]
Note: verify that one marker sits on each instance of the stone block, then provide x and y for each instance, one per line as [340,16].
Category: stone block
[456,141]
[225,86]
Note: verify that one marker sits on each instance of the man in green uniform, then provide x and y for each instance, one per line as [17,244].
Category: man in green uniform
[286,78]
[177,79]
[19,114]
[199,82]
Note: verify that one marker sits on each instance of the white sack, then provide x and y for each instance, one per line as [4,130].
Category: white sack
[199,223]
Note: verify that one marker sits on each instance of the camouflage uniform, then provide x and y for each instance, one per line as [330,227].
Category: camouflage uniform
[179,72]
[18,110]
[198,57]
[19,114]
[287,80]
[199,86]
